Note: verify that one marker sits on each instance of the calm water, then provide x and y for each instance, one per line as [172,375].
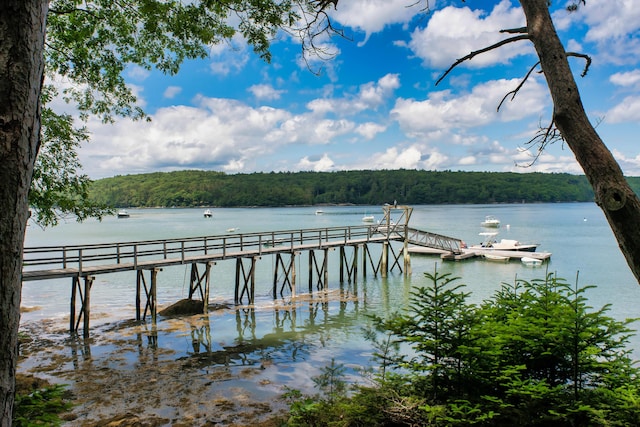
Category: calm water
[302,336]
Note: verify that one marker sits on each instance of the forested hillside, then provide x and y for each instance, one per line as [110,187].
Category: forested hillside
[206,188]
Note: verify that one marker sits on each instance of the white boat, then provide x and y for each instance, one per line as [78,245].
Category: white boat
[490,242]
[532,262]
[319,212]
[122,213]
[232,229]
[208,214]
[368,218]
[490,221]
[496,258]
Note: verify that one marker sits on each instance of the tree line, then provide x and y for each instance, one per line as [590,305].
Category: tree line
[363,187]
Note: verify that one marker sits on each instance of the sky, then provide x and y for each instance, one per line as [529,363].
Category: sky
[375,104]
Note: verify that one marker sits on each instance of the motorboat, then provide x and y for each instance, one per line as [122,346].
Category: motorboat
[122,213]
[319,212]
[531,262]
[490,221]
[208,213]
[489,242]
[368,218]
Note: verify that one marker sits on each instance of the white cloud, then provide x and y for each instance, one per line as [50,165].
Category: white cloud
[444,110]
[266,92]
[454,32]
[370,130]
[610,24]
[369,97]
[217,132]
[395,158]
[229,57]
[323,164]
[626,111]
[626,79]
[372,16]
[135,72]
[172,91]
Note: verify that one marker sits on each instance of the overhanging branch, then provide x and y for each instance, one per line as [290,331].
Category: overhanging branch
[478,52]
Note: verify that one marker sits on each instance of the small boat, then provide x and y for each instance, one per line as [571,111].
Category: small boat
[490,221]
[232,229]
[532,262]
[319,212]
[122,213]
[490,242]
[208,213]
[368,218]
[496,258]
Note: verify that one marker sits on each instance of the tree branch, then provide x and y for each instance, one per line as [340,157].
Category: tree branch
[478,52]
[517,89]
[521,30]
[587,59]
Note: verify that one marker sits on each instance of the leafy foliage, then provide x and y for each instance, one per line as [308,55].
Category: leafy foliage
[41,407]
[535,354]
[89,46]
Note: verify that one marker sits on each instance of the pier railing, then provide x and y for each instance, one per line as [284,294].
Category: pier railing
[73,260]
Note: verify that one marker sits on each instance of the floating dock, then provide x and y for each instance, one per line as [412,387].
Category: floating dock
[466,253]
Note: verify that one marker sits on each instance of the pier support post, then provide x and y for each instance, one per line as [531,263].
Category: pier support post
[201,283]
[85,305]
[407,258]
[322,281]
[350,267]
[384,261]
[150,292]
[248,281]
[289,275]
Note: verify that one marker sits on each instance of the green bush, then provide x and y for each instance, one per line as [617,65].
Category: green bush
[41,407]
[535,354]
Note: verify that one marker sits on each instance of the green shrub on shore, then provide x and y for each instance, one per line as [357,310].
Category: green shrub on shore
[41,407]
[535,354]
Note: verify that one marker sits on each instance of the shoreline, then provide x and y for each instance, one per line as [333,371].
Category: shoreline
[124,375]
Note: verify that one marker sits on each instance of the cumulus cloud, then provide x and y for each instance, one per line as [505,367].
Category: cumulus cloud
[446,110]
[265,92]
[370,96]
[453,32]
[369,130]
[172,91]
[626,79]
[626,111]
[322,164]
[396,158]
[610,24]
[372,16]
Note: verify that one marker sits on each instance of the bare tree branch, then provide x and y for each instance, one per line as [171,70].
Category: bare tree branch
[517,89]
[587,59]
[478,52]
[521,30]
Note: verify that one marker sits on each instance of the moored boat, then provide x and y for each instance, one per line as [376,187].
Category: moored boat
[208,213]
[490,242]
[490,221]
[122,213]
[496,258]
[532,262]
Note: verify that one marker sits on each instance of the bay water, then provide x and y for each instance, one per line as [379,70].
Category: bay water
[299,336]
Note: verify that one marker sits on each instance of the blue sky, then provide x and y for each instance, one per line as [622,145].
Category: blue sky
[375,105]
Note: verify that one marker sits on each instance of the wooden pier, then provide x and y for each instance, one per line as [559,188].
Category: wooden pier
[82,263]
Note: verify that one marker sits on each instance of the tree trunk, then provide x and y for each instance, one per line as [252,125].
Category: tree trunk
[22,31]
[613,194]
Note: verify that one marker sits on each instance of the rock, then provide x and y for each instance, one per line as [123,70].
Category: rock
[184,307]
